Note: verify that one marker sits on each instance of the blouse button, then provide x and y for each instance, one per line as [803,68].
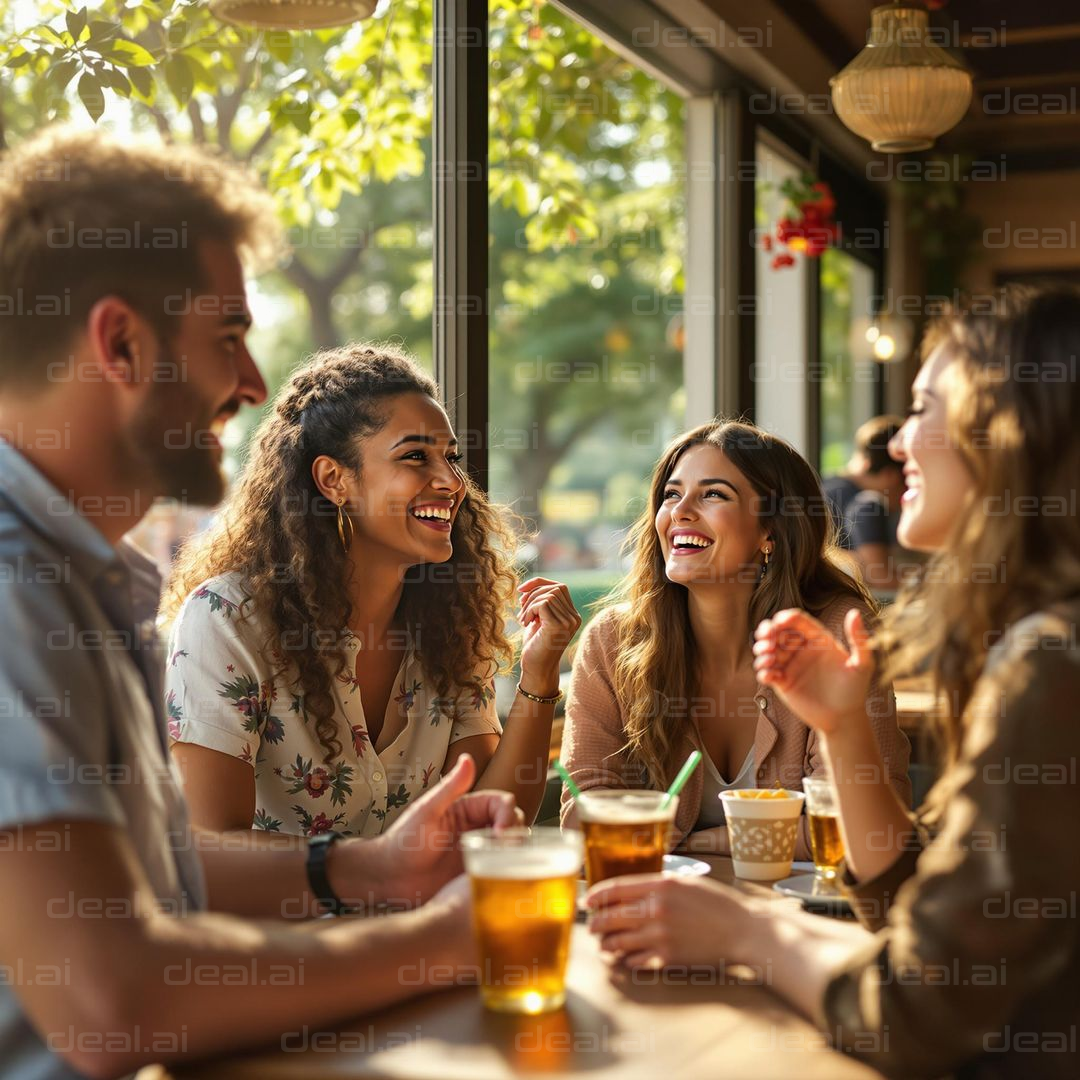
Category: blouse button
[762,703]
[376,776]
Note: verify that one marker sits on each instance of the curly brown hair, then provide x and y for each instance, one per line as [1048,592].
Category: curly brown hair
[279,534]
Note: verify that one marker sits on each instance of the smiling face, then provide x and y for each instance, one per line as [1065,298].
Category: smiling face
[409,491]
[707,522]
[198,381]
[938,482]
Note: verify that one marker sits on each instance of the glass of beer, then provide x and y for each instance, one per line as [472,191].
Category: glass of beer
[826,843]
[626,832]
[524,885]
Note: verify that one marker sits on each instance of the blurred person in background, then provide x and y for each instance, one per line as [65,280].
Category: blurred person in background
[865,499]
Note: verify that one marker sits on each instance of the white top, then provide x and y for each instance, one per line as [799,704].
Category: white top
[711,813]
[222,693]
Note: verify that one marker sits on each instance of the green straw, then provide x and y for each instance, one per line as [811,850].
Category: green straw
[560,768]
[679,782]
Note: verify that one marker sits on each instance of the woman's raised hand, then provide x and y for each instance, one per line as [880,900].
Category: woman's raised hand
[549,621]
[820,680]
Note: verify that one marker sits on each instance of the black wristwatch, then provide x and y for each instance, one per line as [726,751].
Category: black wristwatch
[318,850]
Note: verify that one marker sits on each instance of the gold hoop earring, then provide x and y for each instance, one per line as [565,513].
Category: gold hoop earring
[342,518]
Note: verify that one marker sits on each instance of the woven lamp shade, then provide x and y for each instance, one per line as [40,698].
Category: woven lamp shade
[292,14]
[902,91]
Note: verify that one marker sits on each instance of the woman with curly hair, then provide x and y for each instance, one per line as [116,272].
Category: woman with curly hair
[737,528]
[336,633]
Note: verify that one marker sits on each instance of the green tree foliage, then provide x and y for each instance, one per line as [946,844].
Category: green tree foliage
[585,157]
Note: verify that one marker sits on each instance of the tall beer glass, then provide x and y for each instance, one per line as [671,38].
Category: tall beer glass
[626,832]
[826,842]
[524,884]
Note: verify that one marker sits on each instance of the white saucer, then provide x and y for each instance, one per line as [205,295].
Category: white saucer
[685,866]
[815,894]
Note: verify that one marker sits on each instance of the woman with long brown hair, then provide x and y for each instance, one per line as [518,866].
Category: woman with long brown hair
[737,528]
[335,634]
[971,969]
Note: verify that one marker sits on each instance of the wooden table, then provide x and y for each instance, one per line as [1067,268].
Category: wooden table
[656,1025]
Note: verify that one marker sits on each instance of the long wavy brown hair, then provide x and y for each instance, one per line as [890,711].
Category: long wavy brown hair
[279,534]
[655,669]
[1012,412]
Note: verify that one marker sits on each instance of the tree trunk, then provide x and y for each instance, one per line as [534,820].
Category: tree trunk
[320,300]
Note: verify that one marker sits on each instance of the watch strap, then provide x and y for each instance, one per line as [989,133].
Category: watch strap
[318,881]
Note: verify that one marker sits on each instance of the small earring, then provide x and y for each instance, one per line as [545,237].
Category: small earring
[765,564]
[342,518]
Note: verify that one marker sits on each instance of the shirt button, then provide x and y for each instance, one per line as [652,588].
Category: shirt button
[115,578]
[762,703]
[376,776]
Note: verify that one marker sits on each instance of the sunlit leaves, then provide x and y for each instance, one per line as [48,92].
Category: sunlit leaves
[92,96]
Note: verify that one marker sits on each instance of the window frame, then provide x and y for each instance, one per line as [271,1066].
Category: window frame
[721,273]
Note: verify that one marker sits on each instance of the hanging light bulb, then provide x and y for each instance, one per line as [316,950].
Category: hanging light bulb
[292,14]
[885,337]
[902,91]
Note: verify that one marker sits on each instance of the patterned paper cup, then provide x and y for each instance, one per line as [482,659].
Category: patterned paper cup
[762,826]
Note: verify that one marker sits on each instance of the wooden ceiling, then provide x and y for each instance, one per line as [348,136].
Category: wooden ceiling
[1024,55]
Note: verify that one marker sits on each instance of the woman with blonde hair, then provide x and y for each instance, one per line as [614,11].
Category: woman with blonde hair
[972,966]
[736,529]
[335,634]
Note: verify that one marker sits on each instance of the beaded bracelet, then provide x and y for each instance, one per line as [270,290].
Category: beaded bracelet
[540,700]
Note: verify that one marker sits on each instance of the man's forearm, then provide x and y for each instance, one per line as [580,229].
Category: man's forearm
[185,992]
[264,875]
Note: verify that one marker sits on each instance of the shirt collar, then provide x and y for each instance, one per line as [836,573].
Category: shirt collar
[50,513]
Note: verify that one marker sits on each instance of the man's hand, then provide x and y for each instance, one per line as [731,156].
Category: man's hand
[421,851]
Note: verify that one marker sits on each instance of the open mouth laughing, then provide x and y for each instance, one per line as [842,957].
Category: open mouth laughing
[689,542]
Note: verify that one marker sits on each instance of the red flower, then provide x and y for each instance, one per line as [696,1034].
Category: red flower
[781,261]
[316,782]
[826,201]
[320,823]
[786,230]
[766,242]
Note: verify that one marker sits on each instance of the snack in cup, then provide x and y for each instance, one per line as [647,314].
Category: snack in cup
[763,824]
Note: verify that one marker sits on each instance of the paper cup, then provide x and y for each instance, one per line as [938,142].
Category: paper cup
[762,832]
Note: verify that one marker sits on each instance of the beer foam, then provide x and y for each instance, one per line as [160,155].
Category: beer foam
[607,812]
[524,864]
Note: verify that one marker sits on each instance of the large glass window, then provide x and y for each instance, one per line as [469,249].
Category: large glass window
[780,382]
[337,123]
[847,381]
[586,262]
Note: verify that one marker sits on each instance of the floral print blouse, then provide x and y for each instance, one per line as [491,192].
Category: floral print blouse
[222,693]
